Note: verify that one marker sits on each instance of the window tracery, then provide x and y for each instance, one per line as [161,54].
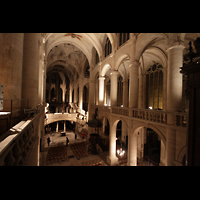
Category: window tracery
[123,37]
[154,87]
[108,47]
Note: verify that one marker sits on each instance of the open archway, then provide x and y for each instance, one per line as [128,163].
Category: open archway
[112,159]
[146,146]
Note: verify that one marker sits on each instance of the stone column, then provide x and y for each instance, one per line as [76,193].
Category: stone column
[174,78]
[75,92]
[174,98]
[162,153]
[70,93]
[132,152]
[11,62]
[133,84]
[101,90]
[112,159]
[30,69]
[64,126]
[81,93]
[144,92]
[140,95]
[125,93]
[91,99]
[113,90]
[57,127]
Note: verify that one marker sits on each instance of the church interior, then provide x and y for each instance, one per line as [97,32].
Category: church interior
[99,99]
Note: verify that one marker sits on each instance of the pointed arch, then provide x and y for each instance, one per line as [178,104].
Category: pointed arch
[144,41]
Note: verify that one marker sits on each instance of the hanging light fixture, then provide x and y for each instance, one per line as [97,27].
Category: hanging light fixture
[120,152]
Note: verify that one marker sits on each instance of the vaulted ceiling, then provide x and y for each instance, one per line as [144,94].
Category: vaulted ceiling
[72,50]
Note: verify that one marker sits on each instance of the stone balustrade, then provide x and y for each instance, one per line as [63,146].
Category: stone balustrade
[157,116]
[54,117]
[15,147]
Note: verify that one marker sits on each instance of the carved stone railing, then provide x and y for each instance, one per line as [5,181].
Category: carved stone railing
[15,147]
[157,116]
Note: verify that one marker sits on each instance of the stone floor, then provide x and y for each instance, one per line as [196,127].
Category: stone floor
[72,161]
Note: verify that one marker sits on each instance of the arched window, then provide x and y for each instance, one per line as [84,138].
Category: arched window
[123,37]
[97,57]
[87,72]
[108,47]
[154,87]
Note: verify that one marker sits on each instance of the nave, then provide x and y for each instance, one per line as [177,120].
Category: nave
[73,151]
[76,153]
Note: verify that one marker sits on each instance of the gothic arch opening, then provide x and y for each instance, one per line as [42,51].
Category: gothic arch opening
[146,147]
[152,147]
[121,134]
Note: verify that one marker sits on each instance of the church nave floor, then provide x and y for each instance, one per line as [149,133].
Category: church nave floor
[57,140]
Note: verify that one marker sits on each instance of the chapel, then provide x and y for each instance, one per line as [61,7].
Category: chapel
[94,99]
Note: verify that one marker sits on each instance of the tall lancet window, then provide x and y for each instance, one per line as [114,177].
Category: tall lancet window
[154,87]
[108,47]
[123,37]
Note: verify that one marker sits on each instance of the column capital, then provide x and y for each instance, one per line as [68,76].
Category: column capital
[135,63]
[102,78]
[175,45]
[114,72]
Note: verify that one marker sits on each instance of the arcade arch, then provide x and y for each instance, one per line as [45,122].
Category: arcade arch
[146,141]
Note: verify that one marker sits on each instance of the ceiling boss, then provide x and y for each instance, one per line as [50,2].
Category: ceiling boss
[74,35]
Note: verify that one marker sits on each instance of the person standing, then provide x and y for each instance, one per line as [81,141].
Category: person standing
[83,135]
[48,141]
[67,141]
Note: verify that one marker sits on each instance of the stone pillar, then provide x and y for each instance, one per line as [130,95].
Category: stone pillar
[64,126]
[132,146]
[75,92]
[144,92]
[81,93]
[64,92]
[133,84]
[30,69]
[174,98]
[91,99]
[70,93]
[125,93]
[174,78]
[101,90]
[140,95]
[57,127]
[113,90]
[11,62]
[112,159]
[162,153]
